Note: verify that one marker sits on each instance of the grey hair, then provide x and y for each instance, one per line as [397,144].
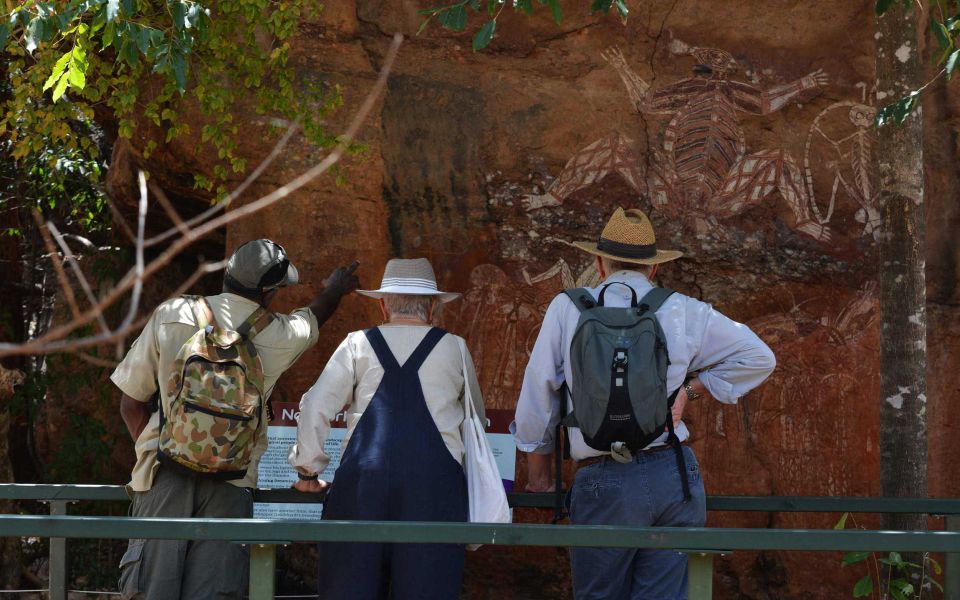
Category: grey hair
[611,266]
[408,305]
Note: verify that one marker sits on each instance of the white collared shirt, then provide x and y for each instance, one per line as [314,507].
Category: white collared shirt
[730,358]
[352,376]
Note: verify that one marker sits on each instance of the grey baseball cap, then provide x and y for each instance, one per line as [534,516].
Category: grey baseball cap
[261,265]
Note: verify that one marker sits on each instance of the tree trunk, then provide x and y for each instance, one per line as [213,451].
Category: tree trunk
[9,547]
[903,339]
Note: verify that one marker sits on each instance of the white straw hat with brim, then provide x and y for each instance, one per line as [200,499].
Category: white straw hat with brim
[628,237]
[413,276]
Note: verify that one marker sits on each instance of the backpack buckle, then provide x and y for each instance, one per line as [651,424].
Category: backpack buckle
[620,360]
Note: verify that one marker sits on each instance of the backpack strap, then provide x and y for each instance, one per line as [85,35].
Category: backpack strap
[656,297]
[581,298]
[258,320]
[202,311]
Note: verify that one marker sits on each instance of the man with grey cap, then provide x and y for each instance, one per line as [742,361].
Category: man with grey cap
[171,569]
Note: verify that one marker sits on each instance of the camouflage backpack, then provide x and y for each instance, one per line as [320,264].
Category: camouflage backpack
[216,393]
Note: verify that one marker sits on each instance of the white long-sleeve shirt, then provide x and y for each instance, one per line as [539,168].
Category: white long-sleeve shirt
[730,358]
[351,378]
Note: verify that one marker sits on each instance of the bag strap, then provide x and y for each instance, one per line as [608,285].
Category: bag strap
[561,450]
[674,441]
[202,311]
[581,298]
[656,297]
[603,291]
[258,320]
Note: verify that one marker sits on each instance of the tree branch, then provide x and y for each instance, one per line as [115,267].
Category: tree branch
[54,339]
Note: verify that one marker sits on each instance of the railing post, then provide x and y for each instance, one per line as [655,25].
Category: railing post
[951,578]
[59,566]
[263,571]
[699,576]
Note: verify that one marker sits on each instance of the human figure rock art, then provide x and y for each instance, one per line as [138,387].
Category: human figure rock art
[703,172]
[848,157]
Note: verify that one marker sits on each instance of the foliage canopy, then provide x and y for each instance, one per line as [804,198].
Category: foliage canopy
[136,63]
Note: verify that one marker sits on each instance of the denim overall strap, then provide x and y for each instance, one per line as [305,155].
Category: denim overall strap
[423,350]
[387,360]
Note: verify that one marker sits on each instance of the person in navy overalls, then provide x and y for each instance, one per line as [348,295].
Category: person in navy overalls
[402,384]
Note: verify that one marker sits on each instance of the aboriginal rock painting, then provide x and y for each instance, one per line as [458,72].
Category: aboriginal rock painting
[843,148]
[697,173]
[703,172]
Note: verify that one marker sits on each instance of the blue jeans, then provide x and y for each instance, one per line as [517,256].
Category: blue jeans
[646,492]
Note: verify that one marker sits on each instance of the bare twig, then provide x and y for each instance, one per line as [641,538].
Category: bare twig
[57,265]
[81,278]
[168,208]
[119,220]
[138,266]
[254,175]
[95,360]
[72,345]
[53,341]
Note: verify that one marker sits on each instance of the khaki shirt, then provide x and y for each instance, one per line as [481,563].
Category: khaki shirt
[149,363]
[352,376]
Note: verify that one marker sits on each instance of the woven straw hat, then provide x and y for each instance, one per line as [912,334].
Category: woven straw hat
[413,276]
[628,237]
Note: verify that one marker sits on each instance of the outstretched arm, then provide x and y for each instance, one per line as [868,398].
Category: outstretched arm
[751,100]
[340,283]
[636,87]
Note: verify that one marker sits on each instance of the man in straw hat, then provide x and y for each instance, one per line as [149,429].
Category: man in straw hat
[255,274]
[709,354]
[403,385]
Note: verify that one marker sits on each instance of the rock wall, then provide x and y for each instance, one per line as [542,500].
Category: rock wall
[759,168]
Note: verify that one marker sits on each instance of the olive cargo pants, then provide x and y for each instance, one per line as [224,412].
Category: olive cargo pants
[186,569]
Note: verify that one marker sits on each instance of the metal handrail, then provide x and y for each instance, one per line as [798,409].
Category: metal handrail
[264,535]
[854,504]
[275,531]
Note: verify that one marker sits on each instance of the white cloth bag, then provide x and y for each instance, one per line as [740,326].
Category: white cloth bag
[488,500]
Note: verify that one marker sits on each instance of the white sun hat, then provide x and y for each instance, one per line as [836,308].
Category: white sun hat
[412,276]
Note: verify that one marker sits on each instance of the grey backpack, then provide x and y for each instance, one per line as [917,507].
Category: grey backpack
[619,360]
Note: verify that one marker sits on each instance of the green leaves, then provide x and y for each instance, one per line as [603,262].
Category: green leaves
[864,587]
[898,111]
[842,523]
[106,52]
[901,589]
[852,558]
[884,5]
[483,37]
[454,19]
[952,63]
[604,7]
[600,6]
[69,70]
[554,9]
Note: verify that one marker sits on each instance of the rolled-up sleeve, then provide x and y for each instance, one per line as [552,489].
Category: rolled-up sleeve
[319,405]
[136,375]
[538,409]
[731,359]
